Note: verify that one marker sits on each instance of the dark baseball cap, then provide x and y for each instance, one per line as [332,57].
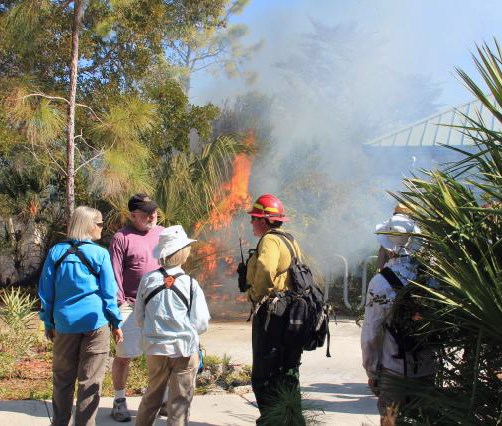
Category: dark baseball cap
[142,202]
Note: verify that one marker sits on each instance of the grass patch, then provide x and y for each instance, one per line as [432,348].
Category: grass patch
[26,358]
[26,378]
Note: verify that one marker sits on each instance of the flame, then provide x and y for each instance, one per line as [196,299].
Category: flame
[217,265]
[233,195]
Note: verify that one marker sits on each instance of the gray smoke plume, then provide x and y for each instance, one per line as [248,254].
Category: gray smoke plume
[341,74]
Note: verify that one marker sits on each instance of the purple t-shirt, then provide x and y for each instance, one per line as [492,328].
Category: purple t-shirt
[131,253]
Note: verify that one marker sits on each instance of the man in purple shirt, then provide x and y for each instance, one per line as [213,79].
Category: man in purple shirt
[131,252]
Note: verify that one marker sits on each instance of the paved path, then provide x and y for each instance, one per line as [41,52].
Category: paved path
[335,385]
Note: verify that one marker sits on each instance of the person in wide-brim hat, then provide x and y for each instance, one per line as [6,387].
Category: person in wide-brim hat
[171,310]
[385,356]
[397,234]
[171,240]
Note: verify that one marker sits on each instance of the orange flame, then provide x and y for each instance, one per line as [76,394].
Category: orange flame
[218,266]
[234,193]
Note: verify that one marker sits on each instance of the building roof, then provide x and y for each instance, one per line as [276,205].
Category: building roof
[440,128]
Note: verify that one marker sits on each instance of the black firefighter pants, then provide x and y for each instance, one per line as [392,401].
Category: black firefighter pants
[275,364]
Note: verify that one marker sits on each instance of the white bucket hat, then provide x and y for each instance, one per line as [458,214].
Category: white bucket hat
[171,240]
[399,244]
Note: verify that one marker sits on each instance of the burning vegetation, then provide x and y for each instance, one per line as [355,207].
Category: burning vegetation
[214,257]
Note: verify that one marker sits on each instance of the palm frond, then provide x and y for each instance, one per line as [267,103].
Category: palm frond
[188,184]
[463,253]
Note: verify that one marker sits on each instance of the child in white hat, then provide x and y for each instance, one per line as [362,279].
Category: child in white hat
[171,310]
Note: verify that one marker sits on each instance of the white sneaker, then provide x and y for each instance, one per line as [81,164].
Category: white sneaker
[120,413]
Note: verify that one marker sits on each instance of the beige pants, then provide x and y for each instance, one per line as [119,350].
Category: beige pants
[180,374]
[82,357]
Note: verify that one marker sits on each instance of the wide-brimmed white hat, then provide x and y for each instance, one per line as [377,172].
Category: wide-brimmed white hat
[171,240]
[399,244]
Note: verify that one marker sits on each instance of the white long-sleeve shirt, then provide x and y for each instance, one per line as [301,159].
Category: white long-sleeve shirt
[378,346]
[166,327]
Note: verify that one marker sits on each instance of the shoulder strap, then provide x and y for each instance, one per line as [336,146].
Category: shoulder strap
[392,278]
[191,295]
[288,239]
[159,288]
[73,249]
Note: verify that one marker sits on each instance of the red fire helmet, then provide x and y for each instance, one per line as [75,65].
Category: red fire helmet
[270,207]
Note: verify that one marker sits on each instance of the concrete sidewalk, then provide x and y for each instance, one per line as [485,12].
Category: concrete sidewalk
[335,388]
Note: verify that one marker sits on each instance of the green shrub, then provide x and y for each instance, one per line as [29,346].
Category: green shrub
[18,308]
[19,336]
[213,364]
[220,371]
[238,378]
[288,408]
[6,364]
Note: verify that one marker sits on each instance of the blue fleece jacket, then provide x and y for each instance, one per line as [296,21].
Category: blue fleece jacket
[73,299]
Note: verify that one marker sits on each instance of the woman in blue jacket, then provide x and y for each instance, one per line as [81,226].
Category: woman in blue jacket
[78,294]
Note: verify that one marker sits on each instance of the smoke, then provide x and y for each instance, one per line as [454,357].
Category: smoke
[341,74]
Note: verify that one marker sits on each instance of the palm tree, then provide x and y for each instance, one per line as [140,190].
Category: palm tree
[188,183]
[459,210]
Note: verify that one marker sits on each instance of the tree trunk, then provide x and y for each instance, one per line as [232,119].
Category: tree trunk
[78,13]
[187,78]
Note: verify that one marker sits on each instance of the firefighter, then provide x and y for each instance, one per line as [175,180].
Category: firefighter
[275,363]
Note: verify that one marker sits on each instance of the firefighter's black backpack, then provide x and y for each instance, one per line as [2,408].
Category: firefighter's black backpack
[306,314]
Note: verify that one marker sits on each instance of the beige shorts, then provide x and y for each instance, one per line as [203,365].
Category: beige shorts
[131,346]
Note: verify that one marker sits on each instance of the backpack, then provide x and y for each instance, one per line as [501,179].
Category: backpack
[405,318]
[169,284]
[307,319]
[73,249]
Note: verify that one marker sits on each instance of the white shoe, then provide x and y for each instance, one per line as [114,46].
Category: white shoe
[120,413]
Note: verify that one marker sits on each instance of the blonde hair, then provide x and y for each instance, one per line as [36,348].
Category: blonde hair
[178,258]
[81,223]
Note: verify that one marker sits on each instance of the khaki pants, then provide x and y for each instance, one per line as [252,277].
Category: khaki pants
[82,357]
[180,374]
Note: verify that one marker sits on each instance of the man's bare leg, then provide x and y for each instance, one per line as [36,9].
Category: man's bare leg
[120,372]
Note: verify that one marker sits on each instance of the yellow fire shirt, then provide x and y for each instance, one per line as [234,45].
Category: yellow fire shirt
[267,268]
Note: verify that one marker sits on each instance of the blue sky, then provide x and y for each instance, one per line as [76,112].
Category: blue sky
[430,37]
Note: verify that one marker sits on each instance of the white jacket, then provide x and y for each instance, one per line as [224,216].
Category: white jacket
[166,327]
[377,344]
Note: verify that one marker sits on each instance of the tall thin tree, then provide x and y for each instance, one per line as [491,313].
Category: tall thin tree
[78,14]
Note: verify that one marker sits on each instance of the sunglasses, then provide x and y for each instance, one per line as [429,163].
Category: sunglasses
[100,224]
